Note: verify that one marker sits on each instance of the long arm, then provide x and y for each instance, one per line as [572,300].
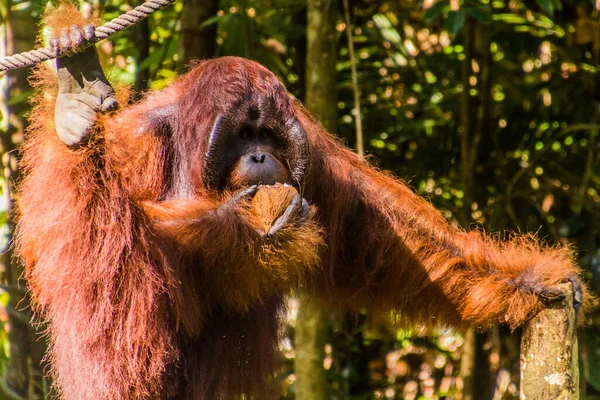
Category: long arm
[127,256]
[390,249]
[221,237]
[85,244]
[89,273]
[120,274]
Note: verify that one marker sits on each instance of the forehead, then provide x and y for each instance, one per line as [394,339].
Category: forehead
[234,84]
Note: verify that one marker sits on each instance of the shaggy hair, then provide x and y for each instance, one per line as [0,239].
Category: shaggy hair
[149,295]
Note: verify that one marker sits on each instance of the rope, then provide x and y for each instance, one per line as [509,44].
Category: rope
[102,32]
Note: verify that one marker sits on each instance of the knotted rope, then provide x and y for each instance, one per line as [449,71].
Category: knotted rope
[102,32]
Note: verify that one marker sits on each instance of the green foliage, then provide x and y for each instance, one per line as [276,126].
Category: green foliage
[455,21]
[537,166]
[550,5]
[435,11]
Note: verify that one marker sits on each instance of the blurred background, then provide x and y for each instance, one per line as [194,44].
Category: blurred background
[488,108]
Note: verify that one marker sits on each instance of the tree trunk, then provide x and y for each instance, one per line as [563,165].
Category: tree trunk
[549,365]
[309,342]
[360,148]
[198,42]
[469,349]
[321,99]
[474,368]
[23,377]
[466,127]
[321,57]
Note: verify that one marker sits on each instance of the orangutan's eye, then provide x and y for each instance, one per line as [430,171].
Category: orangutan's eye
[245,134]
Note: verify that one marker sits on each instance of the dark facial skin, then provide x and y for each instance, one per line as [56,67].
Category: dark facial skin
[253,144]
[258,155]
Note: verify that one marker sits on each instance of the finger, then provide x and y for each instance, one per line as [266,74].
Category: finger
[550,295]
[244,193]
[293,207]
[276,227]
[76,36]
[304,210]
[55,45]
[64,40]
[89,32]
[577,296]
[108,104]
[546,294]
[287,215]
[577,293]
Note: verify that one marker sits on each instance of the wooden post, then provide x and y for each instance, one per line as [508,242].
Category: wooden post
[549,362]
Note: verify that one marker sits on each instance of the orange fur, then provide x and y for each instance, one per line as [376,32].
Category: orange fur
[142,294]
[269,203]
[389,249]
[153,294]
[65,16]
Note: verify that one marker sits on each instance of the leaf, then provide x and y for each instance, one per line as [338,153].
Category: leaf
[486,8]
[19,98]
[154,58]
[479,15]
[546,5]
[240,35]
[381,21]
[455,21]
[558,5]
[435,11]
[212,20]
[391,35]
